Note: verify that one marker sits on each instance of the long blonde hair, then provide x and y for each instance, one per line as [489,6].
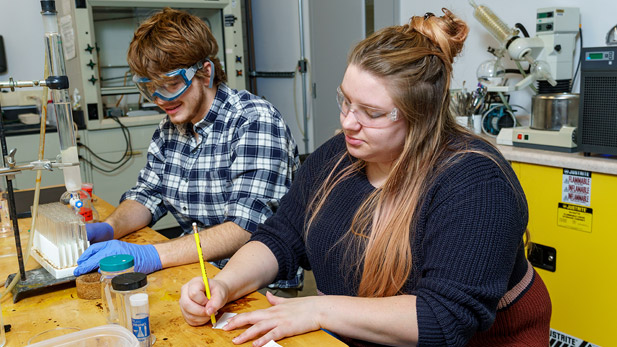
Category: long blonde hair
[415,60]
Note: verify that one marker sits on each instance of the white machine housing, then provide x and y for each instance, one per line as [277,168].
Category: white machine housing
[557,27]
[554,43]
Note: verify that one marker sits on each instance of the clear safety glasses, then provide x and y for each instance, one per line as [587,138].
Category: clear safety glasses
[369,117]
[174,84]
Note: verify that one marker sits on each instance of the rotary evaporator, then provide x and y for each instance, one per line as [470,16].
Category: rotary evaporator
[550,55]
[59,234]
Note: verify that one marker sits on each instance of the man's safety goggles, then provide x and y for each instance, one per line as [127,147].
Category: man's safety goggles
[174,84]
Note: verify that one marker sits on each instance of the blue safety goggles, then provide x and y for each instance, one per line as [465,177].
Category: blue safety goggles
[174,84]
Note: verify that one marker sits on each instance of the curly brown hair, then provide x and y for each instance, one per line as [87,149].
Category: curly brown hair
[173,39]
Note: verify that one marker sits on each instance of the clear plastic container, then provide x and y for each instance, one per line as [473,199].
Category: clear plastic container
[124,286]
[104,335]
[111,267]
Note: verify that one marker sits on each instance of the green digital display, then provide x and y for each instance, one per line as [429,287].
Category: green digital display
[594,56]
[545,15]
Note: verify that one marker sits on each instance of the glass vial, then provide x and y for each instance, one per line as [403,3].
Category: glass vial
[124,286]
[111,267]
[140,318]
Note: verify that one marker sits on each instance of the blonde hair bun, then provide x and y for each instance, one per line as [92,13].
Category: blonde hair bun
[447,32]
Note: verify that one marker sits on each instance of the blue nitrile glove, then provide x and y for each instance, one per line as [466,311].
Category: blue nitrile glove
[147,259]
[99,232]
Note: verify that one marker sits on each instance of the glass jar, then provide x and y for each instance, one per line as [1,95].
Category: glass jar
[111,267]
[124,286]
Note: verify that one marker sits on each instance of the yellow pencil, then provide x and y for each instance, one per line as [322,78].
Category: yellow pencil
[203,268]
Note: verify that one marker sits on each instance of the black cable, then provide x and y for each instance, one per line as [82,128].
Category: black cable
[126,157]
[127,136]
[517,71]
[126,150]
[105,170]
[580,32]
[521,27]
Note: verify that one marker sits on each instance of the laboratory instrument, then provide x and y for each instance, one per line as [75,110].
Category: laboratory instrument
[597,121]
[59,246]
[550,55]
[496,118]
[111,267]
[554,118]
[59,239]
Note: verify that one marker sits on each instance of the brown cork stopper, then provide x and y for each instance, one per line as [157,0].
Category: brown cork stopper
[89,286]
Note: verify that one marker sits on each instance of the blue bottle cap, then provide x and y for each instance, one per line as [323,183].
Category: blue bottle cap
[117,262]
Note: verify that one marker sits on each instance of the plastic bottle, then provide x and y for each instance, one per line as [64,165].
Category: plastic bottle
[124,286]
[140,318]
[87,210]
[111,267]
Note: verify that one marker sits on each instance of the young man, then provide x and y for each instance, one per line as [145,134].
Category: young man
[221,158]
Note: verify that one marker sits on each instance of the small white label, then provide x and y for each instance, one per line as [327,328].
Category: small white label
[141,328]
[68,37]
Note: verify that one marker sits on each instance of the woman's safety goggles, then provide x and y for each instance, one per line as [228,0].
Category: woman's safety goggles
[369,117]
[173,84]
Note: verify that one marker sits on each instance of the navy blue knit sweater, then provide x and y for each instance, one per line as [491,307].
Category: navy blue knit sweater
[467,250]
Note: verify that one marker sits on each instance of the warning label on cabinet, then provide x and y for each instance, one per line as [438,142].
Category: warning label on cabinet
[576,188]
[574,217]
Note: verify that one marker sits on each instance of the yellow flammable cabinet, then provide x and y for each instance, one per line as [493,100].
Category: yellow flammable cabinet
[572,219]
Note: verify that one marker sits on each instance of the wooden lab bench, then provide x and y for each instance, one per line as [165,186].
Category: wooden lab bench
[62,308]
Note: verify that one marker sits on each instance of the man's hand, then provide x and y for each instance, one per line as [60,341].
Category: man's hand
[147,259]
[99,232]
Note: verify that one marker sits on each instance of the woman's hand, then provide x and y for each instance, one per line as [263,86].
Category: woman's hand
[195,306]
[286,317]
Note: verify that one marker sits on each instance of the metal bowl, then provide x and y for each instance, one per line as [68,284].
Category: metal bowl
[552,111]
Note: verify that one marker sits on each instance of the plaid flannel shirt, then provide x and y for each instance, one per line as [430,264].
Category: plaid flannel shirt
[238,168]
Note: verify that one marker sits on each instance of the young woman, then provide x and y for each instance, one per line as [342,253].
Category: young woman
[413,227]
